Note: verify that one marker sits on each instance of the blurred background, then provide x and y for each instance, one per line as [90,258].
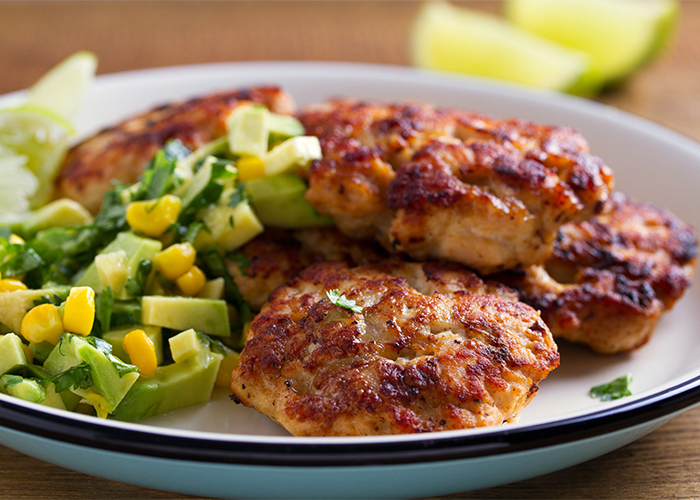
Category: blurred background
[35,35]
[131,35]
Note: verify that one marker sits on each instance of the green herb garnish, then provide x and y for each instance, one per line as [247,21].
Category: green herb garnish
[76,377]
[618,388]
[341,300]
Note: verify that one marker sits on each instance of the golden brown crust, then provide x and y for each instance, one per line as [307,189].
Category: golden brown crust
[611,278]
[437,183]
[122,152]
[431,350]
[277,256]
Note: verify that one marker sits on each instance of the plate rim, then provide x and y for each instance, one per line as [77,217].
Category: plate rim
[237,449]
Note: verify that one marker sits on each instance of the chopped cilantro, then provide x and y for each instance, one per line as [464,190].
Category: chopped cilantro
[134,286]
[618,388]
[104,303]
[12,380]
[238,196]
[241,260]
[214,344]
[76,377]
[341,300]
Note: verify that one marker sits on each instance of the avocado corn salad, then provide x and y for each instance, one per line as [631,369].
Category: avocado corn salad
[132,313]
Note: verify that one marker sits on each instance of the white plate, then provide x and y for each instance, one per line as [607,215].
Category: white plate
[221,449]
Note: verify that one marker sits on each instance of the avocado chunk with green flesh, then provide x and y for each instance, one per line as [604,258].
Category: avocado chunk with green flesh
[14,305]
[181,313]
[280,201]
[292,154]
[201,182]
[217,147]
[282,127]
[171,387]
[125,313]
[22,388]
[108,383]
[232,227]
[115,337]
[12,355]
[137,250]
[68,400]
[59,213]
[41,351]
[248,132]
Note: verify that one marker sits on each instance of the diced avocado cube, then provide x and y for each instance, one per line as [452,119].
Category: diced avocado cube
[283,127]
[247,130]
[14,305]
[54,399]
[109,386]
[182,313]
[113,269]
[171,387]
[12,355]
[41,351]
[293,153]
[68,400]
[280,201]
[115,337]
[137,249]
[232,227]
[184,345]
[213,289]
[22,388]
[59,213]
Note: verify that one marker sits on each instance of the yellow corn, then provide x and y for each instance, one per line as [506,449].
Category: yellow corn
[153,217]
[191,282]
[10,285]
[16,240]
[250,168]
[223,376]
[141,351]
[175,260]
[79,313]
[42,324]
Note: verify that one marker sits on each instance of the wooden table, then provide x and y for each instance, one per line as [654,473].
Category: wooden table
[132,35]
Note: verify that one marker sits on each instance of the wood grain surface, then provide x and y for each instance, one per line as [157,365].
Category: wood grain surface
[132,35]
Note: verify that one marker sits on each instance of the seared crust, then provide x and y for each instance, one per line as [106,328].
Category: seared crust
[437,183]
[277,256]
[611,278]
[122,152]
[434,348]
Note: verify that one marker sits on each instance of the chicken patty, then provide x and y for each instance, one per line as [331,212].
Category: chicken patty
[611,278]
[447,184]
[432,347]
[277,256]
[122,152]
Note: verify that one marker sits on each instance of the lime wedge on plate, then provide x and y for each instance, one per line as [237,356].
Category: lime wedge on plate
[37,138]
[63,88]
[619,35]
[456,39]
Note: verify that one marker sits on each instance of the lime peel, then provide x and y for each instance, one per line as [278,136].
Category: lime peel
[456,39]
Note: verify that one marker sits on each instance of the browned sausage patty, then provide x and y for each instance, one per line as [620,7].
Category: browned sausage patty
[610,278]
[433,348]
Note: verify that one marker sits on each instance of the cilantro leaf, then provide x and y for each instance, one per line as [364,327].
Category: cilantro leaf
[104,303]
[76,377]
[11,380]
[158,178]
[618,388]
[214,344]
[238,196]
[134,286]
[241,260]
[341,300]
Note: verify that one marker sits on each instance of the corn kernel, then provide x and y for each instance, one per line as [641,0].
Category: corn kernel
[175,260]
[250,168]
[223,376]
[141,351]
[79,312]
[191,282]
[10,285]
[42,324]
[16,240]
[153,217]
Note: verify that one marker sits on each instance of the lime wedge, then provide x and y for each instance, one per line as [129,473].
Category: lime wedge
[17,186]
[456,39]
[40,137]
[619,35]
[62,89]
